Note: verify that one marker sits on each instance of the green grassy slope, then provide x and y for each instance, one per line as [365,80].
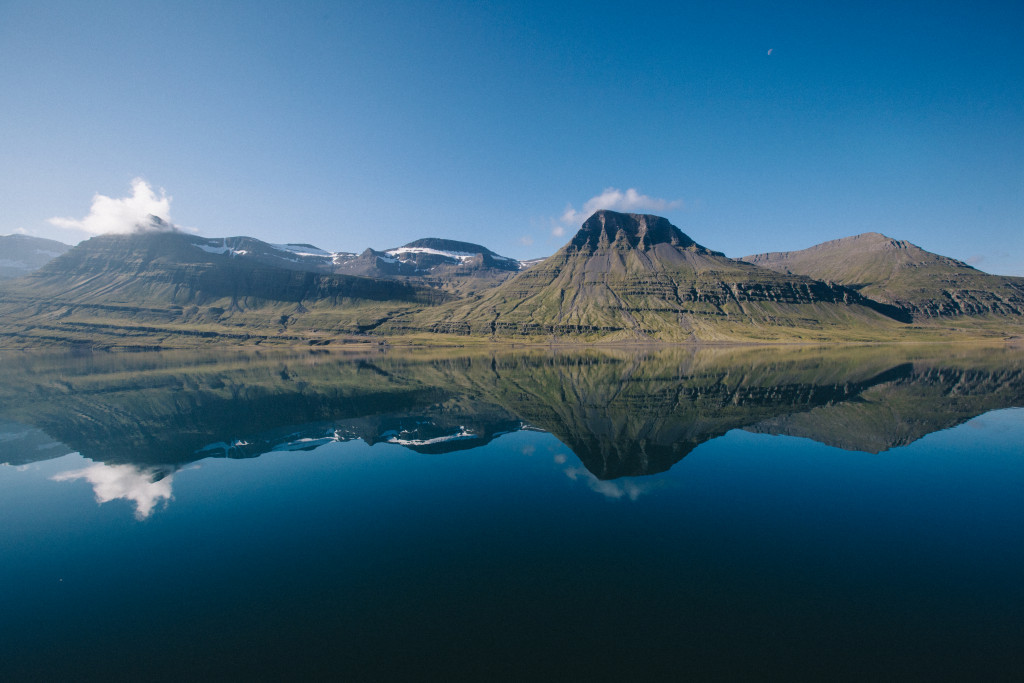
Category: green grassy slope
[628,276]
[927,285]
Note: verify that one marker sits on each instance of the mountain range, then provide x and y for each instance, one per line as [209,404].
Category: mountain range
[622,277]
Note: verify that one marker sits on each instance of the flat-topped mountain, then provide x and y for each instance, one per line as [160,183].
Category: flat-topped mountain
[635,276]
[899,273]
[22,254]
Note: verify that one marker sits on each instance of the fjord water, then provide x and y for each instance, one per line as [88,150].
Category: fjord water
[724,513]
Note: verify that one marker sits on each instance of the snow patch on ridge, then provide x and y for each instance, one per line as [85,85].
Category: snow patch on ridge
[462,434]
[222,250]
[304,250]
[458,255]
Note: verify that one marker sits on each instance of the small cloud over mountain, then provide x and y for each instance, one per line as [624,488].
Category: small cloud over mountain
[143,211]
[614,199]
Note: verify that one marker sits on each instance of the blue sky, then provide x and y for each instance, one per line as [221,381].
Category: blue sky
[752,126]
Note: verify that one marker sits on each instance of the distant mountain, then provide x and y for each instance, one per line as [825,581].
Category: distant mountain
[455,267]
[458,267]
[633,276]
[22,254]
[181,269]
[902,274]
[166,283]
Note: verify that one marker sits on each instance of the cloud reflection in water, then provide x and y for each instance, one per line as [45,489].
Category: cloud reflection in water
[619,489]
[145,487]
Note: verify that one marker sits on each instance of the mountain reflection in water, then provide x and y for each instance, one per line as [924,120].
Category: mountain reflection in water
[507,514]
[623,413]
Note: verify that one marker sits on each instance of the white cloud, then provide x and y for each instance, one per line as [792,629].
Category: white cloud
[558,231]
[614,199]
[126,215]
[20,231]
[113,482]
[526,240]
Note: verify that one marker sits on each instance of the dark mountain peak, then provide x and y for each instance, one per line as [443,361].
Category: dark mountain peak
[154,223]
[612,229]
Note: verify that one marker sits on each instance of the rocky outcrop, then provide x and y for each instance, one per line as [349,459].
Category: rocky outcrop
[611,229]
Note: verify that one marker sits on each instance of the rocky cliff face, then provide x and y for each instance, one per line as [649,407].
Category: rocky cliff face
[613,230]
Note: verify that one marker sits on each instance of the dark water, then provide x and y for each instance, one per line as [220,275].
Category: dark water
[722,514]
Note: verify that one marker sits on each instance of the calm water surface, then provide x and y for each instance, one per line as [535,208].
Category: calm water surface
[617,515]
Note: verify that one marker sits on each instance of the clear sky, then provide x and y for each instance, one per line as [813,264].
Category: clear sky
[752,126]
